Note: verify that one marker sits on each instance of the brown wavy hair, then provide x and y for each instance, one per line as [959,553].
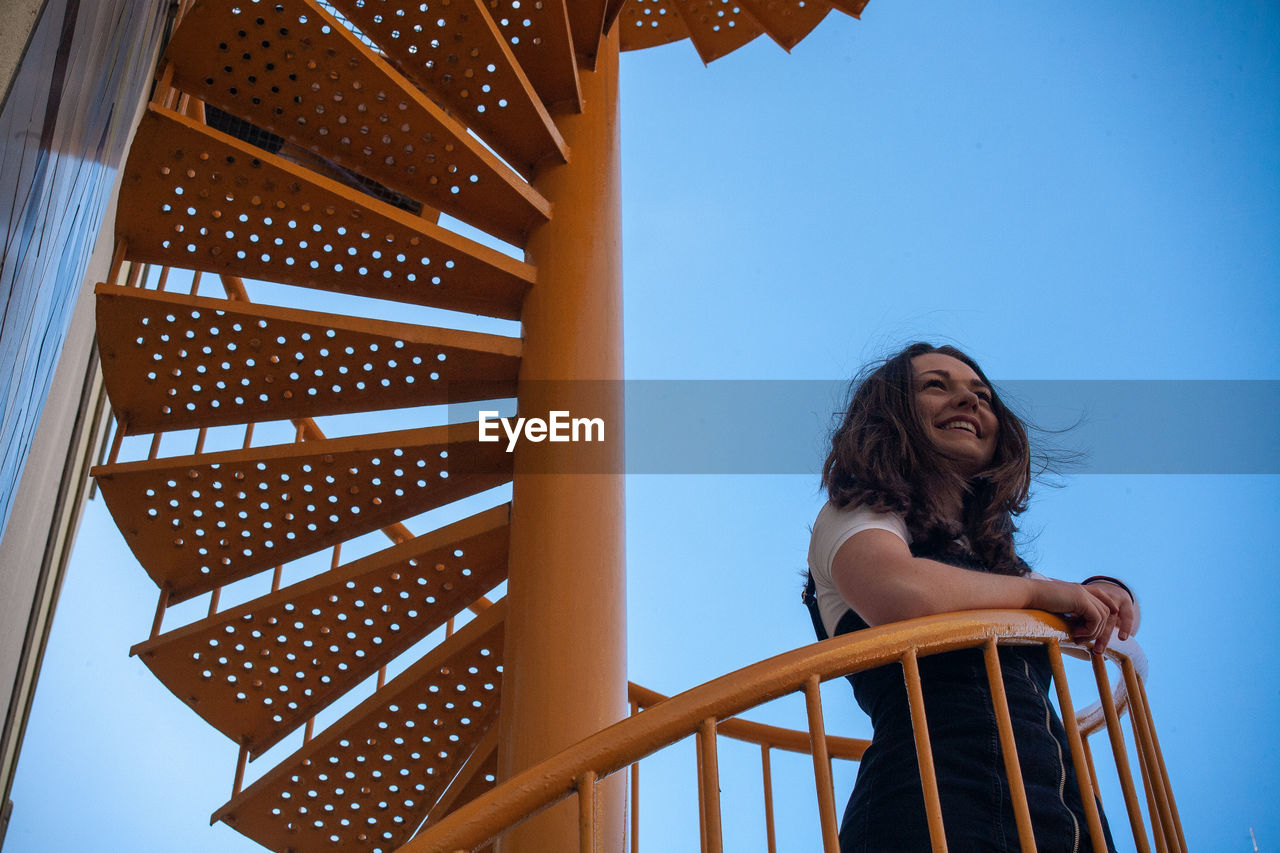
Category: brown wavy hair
[882,458]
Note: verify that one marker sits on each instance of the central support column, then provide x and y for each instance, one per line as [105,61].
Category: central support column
[564,666]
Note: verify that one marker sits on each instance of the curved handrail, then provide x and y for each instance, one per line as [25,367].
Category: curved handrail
[762,734]
[677,717]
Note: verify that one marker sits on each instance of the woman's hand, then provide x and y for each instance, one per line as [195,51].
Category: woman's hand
[1119,599]
[1092,613]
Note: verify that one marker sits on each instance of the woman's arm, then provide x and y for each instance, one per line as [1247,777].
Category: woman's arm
[876,574]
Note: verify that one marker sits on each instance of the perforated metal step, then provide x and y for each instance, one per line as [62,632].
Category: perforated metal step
[196,198]
[478,776]
[586,24]
[649,23]
[258,671]
[367,781]
[178,362]
[537,31]
[717,27]
[458,56]
[787,22]
[291,68]
[199,522]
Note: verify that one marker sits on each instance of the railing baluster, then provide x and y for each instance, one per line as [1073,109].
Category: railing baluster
[586,785]
[241,760]
[1142,735]
[1119,754]
[1164,773]
[1004,724]
[635,795]
[702,808]
[767,774]
[117,262]
[1084,770]
[161,606]
[1153,813]
[134,275]
[1093,774]
[821,765]
[924,752]
[117,440]
[709,783]
[1153,810]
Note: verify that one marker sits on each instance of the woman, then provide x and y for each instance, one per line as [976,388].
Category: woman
[924,477]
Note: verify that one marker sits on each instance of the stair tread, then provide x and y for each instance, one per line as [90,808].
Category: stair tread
[367,781]
[172,361]
[586,24]
[787,22]
[717,27]
[187,186]
[649,23]
[478,776]
[291,68]
[258,671]
[538,35]
[458,56]
[254,509]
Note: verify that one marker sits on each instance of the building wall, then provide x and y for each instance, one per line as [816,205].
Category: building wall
[65,123]
[19,18]
[63,130]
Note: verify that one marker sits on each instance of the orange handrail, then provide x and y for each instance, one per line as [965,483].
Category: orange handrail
[671,719]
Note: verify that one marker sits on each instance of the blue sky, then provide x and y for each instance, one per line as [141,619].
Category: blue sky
[1069,192]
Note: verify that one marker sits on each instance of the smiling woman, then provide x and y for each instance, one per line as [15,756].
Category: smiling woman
[925,475]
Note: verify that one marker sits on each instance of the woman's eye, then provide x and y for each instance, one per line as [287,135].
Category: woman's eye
[934,383]
[984,396]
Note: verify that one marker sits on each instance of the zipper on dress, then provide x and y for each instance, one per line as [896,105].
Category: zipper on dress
[1062,767]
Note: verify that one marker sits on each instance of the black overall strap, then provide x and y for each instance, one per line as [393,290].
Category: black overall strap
[850,621]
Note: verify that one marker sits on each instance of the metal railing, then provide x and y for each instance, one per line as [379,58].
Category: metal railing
[709,711]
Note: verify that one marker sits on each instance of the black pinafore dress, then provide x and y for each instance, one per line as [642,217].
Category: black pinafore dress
[886,810]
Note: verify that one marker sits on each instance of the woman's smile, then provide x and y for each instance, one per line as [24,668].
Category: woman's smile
[954,402]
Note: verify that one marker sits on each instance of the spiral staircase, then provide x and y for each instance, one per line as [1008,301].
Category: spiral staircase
[459,155]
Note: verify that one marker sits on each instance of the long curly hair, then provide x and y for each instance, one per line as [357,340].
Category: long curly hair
[882,458]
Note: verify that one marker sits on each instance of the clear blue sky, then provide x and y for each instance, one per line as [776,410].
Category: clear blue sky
[1070,192]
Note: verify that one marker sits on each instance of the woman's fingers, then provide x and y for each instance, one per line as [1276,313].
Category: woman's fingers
[1095,617]
[1091,613]
[1120,604]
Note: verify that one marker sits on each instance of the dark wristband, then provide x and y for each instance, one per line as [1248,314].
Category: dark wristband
[1112,580]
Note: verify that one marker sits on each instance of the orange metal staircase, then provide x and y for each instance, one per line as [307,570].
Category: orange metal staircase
[332,146]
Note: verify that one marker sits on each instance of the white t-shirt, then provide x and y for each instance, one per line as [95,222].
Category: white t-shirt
[831,529]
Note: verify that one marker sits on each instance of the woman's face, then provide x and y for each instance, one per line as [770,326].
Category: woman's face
[954,406]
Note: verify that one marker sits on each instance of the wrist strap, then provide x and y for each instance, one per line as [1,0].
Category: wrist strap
[1112,580]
